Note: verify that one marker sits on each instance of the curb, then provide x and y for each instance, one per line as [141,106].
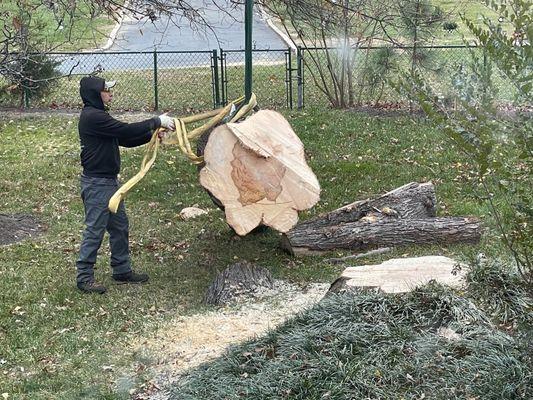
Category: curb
[114,32]
[268,19]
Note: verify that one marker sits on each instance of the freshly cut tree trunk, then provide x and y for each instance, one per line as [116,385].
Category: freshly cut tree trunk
[373,233]
[257,170]
[403,216]
[413,200]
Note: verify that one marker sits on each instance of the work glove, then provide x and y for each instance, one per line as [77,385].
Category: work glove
[167,122]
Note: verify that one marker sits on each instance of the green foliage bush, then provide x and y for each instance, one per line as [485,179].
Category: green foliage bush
[30,76]
[377,69]
[499,142]
[499,290]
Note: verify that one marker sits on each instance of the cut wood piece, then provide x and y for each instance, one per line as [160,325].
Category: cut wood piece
[257,170]
[401,274]
[413,200]
[371,233]
[191,212]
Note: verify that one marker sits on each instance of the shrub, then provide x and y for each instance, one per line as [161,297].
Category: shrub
[30,75]
[498,143]
[427,344]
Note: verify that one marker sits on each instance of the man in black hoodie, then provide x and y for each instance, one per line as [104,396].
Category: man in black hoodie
[100,138]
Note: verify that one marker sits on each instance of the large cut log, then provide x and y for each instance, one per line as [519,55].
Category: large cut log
[373,232]
[403,216]
[257,170]
[401,275]
[413,200]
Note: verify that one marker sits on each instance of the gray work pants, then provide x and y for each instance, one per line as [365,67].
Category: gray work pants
[95,193]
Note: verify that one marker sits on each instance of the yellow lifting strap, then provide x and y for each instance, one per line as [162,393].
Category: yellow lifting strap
[182,138]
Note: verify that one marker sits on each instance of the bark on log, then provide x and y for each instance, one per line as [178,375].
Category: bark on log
[370,233]
[200,150]
[239,279]
[256,169]
[413,200]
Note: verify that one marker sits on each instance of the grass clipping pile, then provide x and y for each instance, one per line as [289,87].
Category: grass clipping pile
[257,170]
[429,343]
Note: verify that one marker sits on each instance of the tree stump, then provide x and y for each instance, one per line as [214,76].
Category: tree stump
[239,279]
[257,170]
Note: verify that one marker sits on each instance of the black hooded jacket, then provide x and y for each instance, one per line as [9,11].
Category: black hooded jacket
[101,134]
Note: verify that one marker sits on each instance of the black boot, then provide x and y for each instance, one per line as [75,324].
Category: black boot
[91,287]
[130,277]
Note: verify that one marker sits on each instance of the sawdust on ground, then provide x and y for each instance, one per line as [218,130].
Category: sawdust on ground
[187,342]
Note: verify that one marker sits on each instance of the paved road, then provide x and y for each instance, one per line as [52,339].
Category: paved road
[163,35]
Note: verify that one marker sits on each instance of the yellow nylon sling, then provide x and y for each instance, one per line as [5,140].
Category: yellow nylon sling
[182,138]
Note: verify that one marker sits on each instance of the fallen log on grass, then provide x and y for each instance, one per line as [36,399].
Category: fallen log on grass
[257,171]
[403,216]
[388,232]
[413,200]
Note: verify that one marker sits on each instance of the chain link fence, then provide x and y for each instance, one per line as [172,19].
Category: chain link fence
[363,76]
[268,76]
[191,81]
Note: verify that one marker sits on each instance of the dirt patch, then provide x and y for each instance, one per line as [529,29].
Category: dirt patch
[17,227]
[187,342]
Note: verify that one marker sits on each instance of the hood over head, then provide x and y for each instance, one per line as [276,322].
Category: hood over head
[90,88]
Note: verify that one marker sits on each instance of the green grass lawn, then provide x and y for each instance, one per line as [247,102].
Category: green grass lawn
[473,10]
[71,31]
[55,341]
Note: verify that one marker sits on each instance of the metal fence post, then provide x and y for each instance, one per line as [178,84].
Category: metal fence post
[300,77]
[248,22]
[214,79]
[288,77]
[156,94]
[223,80]
[26,98]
